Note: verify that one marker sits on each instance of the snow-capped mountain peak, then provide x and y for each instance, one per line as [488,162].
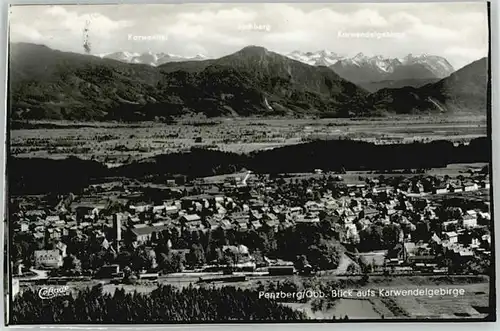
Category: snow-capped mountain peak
[372,67]
[359,57]
[318,58]
[120,56]
[149,57]
[438,66]
[325,52]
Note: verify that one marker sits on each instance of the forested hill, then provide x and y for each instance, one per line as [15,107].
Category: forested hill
[50,84]
[464,91]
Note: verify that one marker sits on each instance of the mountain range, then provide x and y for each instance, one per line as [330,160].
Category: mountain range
[318,58]
[50,84]
[372,73]
[150,58]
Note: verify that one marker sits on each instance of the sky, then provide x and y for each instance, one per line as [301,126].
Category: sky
[457,31]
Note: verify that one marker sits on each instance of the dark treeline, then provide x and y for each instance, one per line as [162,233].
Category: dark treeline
[351,155]
[198,162]
[359,155]
[27,125]
[165,304]
[42,175]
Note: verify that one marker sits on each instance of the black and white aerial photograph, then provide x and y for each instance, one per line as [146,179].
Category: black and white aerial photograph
[249,163]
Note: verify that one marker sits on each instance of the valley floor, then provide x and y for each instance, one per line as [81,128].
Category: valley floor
[117,143]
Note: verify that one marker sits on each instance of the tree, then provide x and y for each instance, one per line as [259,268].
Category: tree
[124,259]
[71,263]
[351,269]
[171,262]
[325,255]
[196,255]
[164,304]
[127,272]
[366,267]
[228,258]
[391,235]
[177,262]
[140,261]
[163,260]
[301,262]
[95,261]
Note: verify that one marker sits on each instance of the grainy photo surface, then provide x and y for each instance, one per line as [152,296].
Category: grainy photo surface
[208,163]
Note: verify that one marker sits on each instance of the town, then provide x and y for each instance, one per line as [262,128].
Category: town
[226,228]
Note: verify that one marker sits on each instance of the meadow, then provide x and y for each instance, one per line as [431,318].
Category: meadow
[118,143]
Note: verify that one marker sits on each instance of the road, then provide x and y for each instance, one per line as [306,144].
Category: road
[345,261]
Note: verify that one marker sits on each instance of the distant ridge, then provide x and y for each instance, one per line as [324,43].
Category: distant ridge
[464,91]
[150,58]
[377,72]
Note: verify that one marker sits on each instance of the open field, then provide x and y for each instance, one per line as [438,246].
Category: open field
[355,308]
[119,143]
[471,305]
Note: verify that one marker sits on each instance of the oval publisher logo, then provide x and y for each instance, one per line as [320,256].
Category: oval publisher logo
[52,292]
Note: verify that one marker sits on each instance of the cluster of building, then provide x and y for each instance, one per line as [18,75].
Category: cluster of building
[122,215]
[459,246]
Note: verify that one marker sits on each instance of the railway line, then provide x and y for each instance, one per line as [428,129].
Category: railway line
[186,278]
